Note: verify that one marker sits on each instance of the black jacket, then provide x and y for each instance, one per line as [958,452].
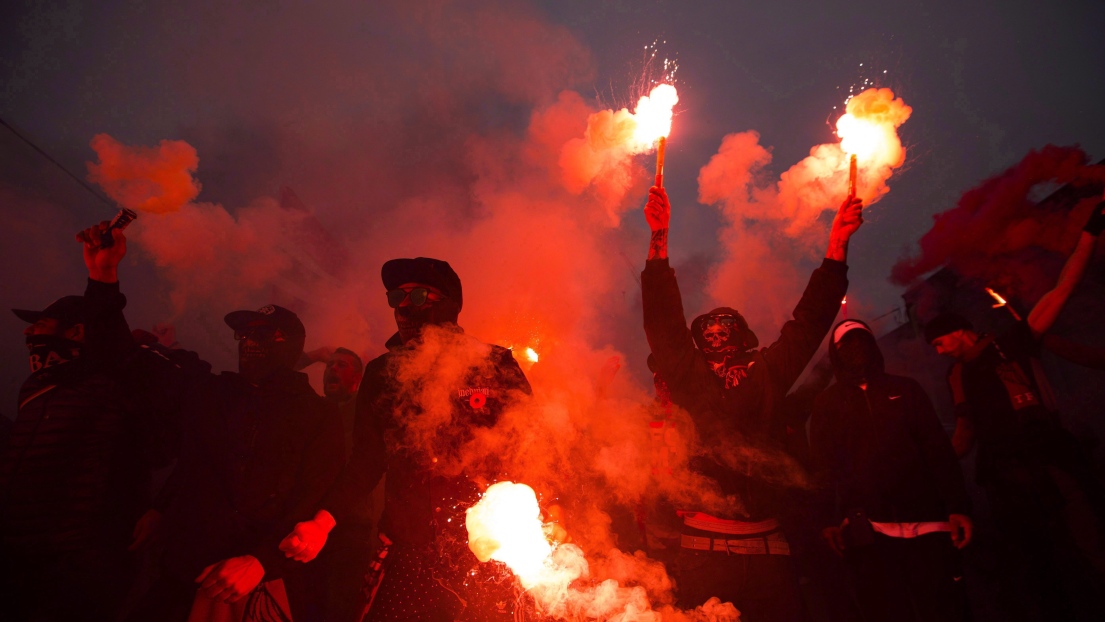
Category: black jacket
[749,413]
[420,506]
[254,460]
[883,450]
[73,475]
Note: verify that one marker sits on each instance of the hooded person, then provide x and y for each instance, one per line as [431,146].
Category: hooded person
[1048,502]
[890,476]
[428,572]
[734,392]
[73,476]
[258,449]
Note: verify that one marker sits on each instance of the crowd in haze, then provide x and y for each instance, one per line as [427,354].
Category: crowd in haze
[135,484]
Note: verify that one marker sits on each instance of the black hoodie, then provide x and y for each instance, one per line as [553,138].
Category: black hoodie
[733,395]
[882,448]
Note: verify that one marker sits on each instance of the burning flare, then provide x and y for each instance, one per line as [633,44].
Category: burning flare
[653,116]
[868,132]
[505,525]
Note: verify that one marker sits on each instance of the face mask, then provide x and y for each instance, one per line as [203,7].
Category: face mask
[46,351]
[410,319]
[858,358]
[260,355]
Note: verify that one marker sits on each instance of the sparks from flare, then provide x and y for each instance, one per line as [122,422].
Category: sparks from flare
[868,132]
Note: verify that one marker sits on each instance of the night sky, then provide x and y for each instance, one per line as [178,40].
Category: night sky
[271,94]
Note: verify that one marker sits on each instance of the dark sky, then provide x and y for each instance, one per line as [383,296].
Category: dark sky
[987,81]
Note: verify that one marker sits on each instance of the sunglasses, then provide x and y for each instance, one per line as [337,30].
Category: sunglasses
[418,296]
[259,333]
[719,320]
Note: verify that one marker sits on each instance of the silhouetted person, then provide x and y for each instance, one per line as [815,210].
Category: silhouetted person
[73,477]
[734,392]
[893,482]
[429,574]
[1046,501]
[259,448]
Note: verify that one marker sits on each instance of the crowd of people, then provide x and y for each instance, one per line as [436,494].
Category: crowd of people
[281,504]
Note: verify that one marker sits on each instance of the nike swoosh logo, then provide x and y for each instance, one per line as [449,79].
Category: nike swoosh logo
[894,397]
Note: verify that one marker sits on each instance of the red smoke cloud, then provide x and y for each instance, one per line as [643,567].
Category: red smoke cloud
[529,238]
[992,223]
[149,179]
[772,225]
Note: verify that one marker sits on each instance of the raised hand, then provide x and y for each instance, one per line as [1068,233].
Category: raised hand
[102,263]
[658,213]
[848,219]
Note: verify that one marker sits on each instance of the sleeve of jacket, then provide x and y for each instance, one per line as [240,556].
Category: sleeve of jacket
[368,460]
[813,317]
[937,449]
[666,328]
[322,462]
[826,475]
[157,384]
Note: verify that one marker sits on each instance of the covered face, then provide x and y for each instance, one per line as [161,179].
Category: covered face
[55,335]
[855,353]
[722,331]
[269,340]
[422,291]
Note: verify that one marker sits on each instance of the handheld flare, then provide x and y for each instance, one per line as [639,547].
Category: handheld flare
[121,220]
[660,161]
[653,117]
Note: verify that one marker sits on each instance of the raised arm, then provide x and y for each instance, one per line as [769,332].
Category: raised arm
[1047,309]
[658,215]
[848,219]
[664,321]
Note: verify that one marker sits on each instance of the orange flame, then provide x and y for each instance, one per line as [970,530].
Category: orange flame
[868,130]
[505,525]
[531,354]
[1001,302]
[653,116]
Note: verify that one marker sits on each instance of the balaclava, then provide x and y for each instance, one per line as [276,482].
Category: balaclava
[855,354]
[411,319]
[725,348]
[46,352]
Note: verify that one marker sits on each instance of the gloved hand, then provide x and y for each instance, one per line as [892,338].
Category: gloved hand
[231,579]
[1096,224]
[307,538]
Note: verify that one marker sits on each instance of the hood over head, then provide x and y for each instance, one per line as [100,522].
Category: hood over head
[855,353]
[722,340]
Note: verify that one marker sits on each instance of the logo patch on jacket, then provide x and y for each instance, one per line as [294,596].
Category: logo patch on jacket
[477,396]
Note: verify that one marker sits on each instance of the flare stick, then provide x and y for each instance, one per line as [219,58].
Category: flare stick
[852,177]
[660,162]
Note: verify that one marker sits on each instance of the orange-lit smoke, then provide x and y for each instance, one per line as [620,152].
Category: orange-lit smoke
[774,229]
[601,159]
[533,253]
[148,179]
[998,234]
[505,525]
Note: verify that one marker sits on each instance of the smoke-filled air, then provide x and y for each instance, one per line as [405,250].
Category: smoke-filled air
[313,190]
[778,225]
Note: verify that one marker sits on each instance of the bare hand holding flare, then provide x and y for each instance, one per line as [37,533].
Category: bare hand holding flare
[658,213]
[847,221]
